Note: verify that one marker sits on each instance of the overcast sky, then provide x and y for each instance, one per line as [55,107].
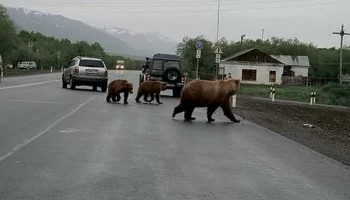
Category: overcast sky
[310,21]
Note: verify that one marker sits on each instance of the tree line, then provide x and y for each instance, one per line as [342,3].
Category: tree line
[324,61]
[17,46]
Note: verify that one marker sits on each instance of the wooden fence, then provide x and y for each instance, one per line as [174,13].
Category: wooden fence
[304,81]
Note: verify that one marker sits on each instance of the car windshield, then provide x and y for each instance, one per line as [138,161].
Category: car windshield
[91,63]
[171,63]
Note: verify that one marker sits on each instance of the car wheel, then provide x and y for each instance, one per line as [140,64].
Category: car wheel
[104,87]
[140,79]
[64,84]
[71,84]
[172,75]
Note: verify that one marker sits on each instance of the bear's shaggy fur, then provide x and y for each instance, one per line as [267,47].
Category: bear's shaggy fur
[150,88]
[119,86]
[210,94]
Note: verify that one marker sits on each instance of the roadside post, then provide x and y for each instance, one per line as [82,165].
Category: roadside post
[199,47]
[273,95]
[1,69]
[271,91]
[2,73]
[217,53]
[313,98]
[51,69]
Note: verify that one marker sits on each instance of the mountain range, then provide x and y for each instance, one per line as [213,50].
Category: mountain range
[113,39]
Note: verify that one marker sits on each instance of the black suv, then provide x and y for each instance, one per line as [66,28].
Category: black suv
[167,68]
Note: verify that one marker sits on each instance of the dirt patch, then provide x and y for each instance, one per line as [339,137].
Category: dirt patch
[330,135]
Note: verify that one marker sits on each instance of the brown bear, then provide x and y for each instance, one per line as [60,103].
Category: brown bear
[210,94]
[150,88]
[119,86]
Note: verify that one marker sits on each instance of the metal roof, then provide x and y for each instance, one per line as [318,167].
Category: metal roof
[302,61]
[238,54]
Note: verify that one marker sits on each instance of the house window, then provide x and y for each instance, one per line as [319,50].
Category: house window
[272,76]
[248,74]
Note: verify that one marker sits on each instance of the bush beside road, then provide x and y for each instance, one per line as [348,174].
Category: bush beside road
[16,72]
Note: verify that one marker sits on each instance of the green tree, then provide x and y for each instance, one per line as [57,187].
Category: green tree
[8,37]
[324,62]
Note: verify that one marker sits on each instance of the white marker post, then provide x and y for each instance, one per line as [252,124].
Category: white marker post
[311,98]
[51,69]
[273,95]
[233,100]
[2,73]
[314,100]
[271,92]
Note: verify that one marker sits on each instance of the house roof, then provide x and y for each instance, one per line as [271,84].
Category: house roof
[238,54]
[246,51]
[283,59]
[293,60]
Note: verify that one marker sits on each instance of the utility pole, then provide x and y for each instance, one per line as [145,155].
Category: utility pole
[30,45]
[58,59]
[217,38]
[341,33]
[242,36]
[262,35]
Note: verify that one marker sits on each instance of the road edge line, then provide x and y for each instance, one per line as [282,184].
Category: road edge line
[28,141]
[26,85]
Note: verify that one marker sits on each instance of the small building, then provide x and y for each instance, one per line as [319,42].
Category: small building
[294,65]
[253,66]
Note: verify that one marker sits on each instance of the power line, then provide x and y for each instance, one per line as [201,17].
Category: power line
[170,4]
[202,10]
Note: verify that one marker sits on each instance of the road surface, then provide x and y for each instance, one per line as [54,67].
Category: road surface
[70,144]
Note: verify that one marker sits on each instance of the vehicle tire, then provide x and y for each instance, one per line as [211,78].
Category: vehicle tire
[64,84]
[172,75]
[140,79]
[71,84]
[177,92]
[104,87]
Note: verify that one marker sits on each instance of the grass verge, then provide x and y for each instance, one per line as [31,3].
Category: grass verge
[330,94]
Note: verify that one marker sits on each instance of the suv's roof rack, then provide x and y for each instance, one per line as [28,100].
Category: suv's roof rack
[164,56]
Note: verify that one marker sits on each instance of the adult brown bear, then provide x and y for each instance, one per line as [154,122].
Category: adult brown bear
[210,94]
[150,88]
[119,86]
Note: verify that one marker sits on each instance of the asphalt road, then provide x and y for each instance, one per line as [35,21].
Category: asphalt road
[70,144]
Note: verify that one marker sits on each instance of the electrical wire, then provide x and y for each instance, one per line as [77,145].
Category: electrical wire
[201,10]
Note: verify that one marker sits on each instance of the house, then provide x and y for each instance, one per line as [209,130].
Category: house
[294,65]
[254,66]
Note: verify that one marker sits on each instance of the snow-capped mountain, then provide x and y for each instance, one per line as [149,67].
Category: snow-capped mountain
[60,27]
[151,41]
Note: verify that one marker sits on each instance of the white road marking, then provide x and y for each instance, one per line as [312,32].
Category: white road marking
[73,130]
[26,85]
[49,102]
[26,142]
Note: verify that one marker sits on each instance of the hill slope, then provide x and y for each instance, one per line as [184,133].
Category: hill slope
[61,27]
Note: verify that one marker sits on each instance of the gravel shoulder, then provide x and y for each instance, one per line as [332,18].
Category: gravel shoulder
[330,134]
